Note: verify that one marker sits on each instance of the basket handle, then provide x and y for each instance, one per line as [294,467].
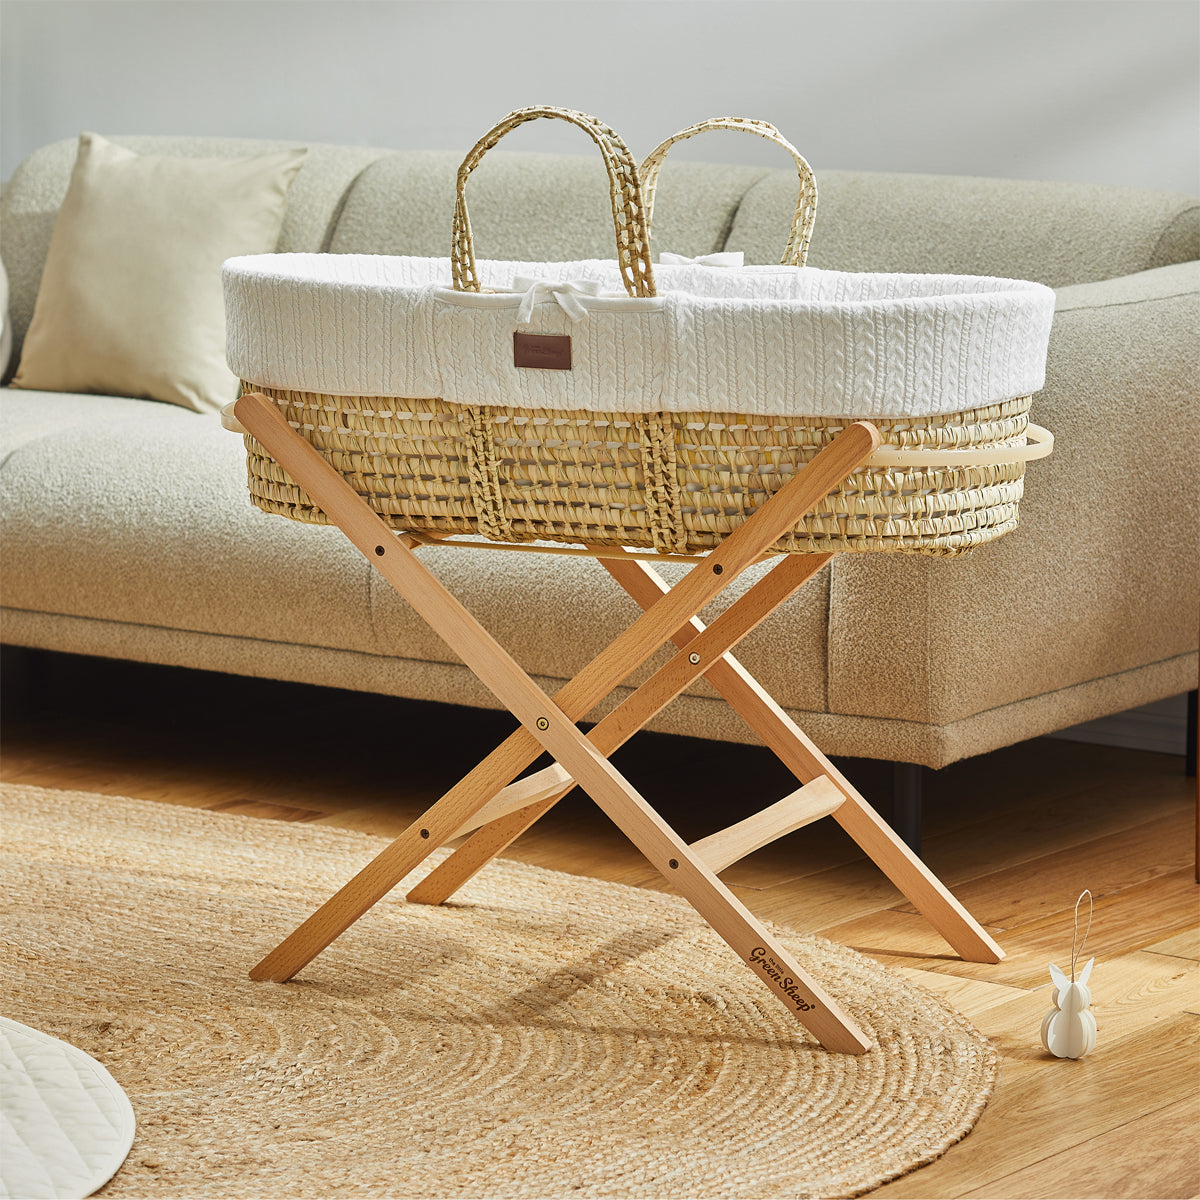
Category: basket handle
[806,206]
[629,216]
[1039,443]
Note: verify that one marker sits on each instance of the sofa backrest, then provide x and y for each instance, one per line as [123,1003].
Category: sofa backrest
[353,199]
[530,206]
[1055,233]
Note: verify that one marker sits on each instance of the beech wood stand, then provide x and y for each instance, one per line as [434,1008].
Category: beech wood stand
[497,810]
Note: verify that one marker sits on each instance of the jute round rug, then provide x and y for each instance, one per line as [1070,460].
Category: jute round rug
[545,1035]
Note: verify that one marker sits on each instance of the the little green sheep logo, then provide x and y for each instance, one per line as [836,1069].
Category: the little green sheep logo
[785,983]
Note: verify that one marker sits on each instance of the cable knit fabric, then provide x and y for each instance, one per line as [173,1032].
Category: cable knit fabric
[765,341]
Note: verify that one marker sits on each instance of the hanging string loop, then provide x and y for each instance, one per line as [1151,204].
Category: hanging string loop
[1077,953]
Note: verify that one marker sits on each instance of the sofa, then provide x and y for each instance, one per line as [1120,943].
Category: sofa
[127,531]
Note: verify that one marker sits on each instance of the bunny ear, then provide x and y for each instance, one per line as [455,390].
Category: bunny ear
[1083,975]
[1060,980]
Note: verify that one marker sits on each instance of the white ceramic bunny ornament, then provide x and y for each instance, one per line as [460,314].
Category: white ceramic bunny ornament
[1069,1029]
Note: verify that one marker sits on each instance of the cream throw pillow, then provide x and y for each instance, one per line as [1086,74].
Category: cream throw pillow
[130,302]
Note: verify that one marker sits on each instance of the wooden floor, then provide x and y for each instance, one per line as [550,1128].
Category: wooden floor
[1017,834]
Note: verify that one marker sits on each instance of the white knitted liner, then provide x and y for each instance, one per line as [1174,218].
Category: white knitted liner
[766,341]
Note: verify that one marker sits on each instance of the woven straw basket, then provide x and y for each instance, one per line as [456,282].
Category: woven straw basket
[674,483]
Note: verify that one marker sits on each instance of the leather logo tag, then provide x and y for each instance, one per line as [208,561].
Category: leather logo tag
[549,351]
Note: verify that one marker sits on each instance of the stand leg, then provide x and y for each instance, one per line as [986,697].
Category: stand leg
[403,855]
[675,860]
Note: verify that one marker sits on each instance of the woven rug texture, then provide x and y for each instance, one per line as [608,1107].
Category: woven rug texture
[542,1035]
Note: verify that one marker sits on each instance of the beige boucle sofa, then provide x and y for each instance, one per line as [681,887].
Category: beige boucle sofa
[127,531]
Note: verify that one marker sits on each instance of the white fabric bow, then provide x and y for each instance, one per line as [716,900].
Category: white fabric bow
[725,258]
[565,293]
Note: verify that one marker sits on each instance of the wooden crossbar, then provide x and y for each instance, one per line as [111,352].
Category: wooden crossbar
[802,807]
[551,781]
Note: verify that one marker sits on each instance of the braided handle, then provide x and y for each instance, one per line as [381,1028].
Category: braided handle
[806,206]
[629,216]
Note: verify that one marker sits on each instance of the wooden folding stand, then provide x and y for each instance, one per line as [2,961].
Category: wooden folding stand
[487,800]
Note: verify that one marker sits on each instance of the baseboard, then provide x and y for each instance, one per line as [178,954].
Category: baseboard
[1160,727]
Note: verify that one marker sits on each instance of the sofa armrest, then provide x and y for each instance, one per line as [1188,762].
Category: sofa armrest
[1102,575]
[1180,281]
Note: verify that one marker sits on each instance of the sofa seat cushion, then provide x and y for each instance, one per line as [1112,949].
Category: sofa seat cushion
[137,512]
[554,613]
[27,417]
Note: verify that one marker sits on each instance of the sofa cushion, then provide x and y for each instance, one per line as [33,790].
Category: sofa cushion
[27,418]
[554,613]
[1053,233]
[130,300]
[139,513]
[32,198]
[530,207]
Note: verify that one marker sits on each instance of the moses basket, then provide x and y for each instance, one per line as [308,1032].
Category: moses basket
[620,403]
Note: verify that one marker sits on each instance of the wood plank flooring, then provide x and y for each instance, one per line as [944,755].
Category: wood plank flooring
[1017,834]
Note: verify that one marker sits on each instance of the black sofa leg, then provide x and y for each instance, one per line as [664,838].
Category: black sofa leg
[907,781]
[21,672]
[1189,761]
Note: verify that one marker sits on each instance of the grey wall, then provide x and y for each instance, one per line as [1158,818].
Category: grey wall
[1105,91]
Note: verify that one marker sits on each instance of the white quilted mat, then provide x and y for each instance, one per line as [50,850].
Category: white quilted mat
[65,1124]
